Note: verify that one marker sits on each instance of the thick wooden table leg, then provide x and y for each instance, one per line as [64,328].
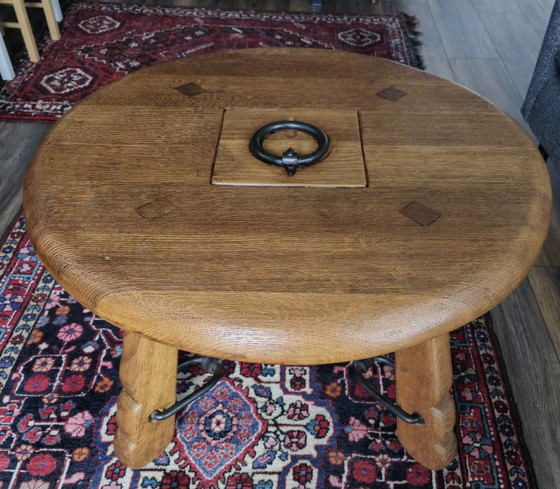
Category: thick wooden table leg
[424,377]
[149,376]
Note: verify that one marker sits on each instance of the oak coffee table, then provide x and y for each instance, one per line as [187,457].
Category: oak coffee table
[428,207]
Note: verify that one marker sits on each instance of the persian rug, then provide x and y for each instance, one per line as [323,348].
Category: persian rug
[261,427]
[103,42]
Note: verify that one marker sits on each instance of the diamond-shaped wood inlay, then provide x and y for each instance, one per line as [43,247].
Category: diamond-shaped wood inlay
[156,209]
[420,213]
[391,93]
[190,89]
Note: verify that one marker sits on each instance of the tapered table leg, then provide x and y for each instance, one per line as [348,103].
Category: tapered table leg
[148,373]
[424,377]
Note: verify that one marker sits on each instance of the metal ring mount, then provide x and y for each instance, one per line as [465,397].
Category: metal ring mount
[289,160]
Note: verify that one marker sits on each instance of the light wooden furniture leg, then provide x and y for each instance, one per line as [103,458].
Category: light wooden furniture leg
[25,27]
[148,373]
[424,377]
[6,68]
[50,15]
[53,14]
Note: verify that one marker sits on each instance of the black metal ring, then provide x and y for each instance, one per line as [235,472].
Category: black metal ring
[289,160]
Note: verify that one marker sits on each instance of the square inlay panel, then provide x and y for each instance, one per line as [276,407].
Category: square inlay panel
[342,167]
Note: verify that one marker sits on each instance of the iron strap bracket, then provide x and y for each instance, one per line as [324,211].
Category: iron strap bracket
[213,366]
[360,367]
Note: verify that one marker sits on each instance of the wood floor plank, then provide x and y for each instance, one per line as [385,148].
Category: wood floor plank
[9,212]
[522,79]
[550,255]
[18,142]
[460,28]
[389,6]
[299,5]
[497,6]
[283,5]
[546,4]
[545,282]
[433,52]
[534,372]
[490,78]
[518,44]
[415,2]
[339,6]
[536,12]
[516,41]
[369,7]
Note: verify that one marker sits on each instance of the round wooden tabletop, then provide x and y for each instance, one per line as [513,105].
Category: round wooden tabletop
[134,205]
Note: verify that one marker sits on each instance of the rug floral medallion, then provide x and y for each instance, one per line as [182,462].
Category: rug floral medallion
[102,42]
[261,427]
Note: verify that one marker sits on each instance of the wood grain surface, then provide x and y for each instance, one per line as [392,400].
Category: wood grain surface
[287,275]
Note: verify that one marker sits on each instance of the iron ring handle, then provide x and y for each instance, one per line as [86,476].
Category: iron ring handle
[289,160]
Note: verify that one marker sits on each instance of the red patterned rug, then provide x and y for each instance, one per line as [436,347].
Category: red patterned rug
[261,427]
[103,42]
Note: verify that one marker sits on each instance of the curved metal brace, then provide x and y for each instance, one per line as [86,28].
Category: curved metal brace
[384,361]
[360,367]
[212,365]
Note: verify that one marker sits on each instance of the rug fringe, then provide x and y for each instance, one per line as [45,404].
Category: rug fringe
[414,35]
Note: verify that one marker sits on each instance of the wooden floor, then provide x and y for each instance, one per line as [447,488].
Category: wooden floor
[490,46]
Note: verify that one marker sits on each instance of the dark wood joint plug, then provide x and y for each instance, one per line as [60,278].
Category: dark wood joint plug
[190,89]
[156,209]
[420,213]
[391,93]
